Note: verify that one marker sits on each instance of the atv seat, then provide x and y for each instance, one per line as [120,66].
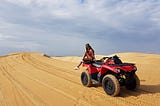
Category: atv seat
[123,64]
[97,64]
[87,62]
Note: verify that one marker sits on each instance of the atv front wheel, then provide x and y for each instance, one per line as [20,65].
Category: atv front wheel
[134,84]
[86,79]
[111,85]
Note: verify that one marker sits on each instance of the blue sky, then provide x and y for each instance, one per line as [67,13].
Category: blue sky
[63,27]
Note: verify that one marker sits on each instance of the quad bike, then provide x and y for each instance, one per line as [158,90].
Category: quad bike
[111,73]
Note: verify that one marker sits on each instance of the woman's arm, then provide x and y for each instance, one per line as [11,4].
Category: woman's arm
[84,55]
[90,54]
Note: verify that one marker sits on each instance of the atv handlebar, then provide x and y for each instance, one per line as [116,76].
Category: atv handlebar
[109,57]
[102,59]
[106,57]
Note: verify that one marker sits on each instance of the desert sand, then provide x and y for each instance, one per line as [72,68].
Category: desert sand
[32,79]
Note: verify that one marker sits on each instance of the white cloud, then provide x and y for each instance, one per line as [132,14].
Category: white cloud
[37,21]
[20,2]
[6,36]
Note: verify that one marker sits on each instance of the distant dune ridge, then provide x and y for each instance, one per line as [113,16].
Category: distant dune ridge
[29,79]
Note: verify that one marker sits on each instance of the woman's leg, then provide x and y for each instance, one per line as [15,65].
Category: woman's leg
[79,64]
[84,59]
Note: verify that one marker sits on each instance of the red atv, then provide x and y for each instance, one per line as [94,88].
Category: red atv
[111,73]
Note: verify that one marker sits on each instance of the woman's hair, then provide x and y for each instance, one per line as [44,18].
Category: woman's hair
[88,47]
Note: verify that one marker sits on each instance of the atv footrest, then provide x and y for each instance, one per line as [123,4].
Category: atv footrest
[95,81]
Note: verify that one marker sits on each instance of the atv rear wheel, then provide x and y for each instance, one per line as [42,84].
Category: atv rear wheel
[134,84]
[86,79]
[111,85]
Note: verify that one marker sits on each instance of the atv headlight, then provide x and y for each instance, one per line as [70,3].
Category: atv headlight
[135,68]
[118,70]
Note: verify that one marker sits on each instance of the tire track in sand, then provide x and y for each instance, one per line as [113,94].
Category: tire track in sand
[21,89]
[88,96]
[45,85]
[131,100]
[57,68]
[45,68]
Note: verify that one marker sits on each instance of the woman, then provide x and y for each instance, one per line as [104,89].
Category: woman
[87,57]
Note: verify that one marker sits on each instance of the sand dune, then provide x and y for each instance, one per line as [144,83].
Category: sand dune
[32,79]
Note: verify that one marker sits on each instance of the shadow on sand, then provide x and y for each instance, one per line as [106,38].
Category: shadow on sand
[144,89]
